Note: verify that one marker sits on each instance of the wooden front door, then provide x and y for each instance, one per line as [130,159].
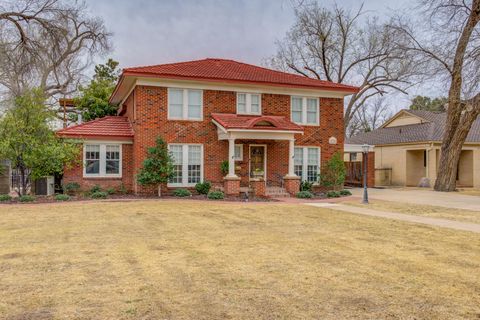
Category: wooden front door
[257,162]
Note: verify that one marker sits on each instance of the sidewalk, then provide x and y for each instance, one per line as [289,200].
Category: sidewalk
[444,223]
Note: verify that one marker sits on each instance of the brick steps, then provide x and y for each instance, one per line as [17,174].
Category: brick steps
[277,192]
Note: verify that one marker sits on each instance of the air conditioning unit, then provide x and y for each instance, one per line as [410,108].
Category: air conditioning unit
[45,186]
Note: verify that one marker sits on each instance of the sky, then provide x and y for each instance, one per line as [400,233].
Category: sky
[147,32]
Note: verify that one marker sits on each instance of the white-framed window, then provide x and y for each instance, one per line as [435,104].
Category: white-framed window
[185,104]
[187,164]
[102,160]
[305,110]
[238,155]
[249,103]
[307,163]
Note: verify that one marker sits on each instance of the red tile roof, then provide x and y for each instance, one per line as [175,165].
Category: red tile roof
[248,122]
[234,71]
[110,126]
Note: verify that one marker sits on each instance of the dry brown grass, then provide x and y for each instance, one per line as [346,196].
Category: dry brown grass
[198,260]
[421,210]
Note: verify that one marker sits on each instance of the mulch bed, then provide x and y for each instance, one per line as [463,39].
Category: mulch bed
[126,197]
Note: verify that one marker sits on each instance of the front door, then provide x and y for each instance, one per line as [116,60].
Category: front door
[257,162]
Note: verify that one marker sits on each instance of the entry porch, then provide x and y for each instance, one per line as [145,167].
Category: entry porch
[261,153]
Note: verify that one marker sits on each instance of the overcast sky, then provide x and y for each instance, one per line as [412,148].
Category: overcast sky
[160,31]
[147,32]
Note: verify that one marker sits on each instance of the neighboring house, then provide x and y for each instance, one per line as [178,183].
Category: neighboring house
[409,146]
[274,128]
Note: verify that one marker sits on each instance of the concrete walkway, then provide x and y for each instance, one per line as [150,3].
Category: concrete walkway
[445,223]
[424,197]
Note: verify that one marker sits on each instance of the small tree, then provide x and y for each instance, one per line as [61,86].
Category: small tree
[157,167]
[93,102]
[30,144]
[334,172]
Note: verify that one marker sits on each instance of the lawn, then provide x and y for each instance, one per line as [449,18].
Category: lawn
[421,210]
[213,260]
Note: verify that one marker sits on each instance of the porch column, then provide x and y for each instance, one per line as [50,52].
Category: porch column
[231,158]
[291,160]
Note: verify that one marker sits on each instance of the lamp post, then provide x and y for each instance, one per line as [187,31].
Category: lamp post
[365,149]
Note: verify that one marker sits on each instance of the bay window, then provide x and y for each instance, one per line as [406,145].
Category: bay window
[249,103]
[185,104]
[305,110]
[187,164]
[307,163]
[102,160]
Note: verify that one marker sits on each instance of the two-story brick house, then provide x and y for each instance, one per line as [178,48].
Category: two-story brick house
[273,128]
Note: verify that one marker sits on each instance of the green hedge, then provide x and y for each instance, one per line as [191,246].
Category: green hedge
[182,193]
[216,195]
[304,195]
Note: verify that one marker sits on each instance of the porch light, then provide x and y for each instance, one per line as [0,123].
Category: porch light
[365,148]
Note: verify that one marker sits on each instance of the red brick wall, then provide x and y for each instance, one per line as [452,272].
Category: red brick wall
[370,169]
[150,121]
[75,174]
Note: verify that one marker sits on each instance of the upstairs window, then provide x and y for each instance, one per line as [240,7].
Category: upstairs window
[102,160]
[305,110]
[249,103]
[185,104]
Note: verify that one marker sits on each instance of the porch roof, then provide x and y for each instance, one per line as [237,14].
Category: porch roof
[106,127]
[235,122]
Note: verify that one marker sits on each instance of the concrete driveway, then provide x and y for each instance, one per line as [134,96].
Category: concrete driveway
[424,197]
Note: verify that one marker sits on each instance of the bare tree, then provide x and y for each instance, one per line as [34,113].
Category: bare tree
[449,39]
[370,116]
[47,44]
[340,46]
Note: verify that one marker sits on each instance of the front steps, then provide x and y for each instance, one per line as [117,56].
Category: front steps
[276,192]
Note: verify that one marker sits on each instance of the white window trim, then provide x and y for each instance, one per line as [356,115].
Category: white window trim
[184,182]
[241,152]
[304,111]
[103,161]
[185,105]
[305,161]
[248,103]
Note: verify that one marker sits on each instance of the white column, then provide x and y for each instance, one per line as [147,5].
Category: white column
[231,158]
[291,160]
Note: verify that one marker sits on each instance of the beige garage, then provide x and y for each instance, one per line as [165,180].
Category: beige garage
[408,145]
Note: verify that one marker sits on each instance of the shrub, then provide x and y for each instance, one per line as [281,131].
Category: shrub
[71,188]
[182,193]
[203,187]
[62,197]
[306,186]
[157,168]
[5,197]
[99,195]
[224,167]
[95,189]
[333,194]
[111,190]
[215,195]
[26,198]
[345,192]
[304,195]
[334,172]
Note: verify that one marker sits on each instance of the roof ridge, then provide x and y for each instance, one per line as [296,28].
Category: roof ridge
[169,63]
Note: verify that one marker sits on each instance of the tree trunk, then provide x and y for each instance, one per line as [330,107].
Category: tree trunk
[452,147]
[159,190]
